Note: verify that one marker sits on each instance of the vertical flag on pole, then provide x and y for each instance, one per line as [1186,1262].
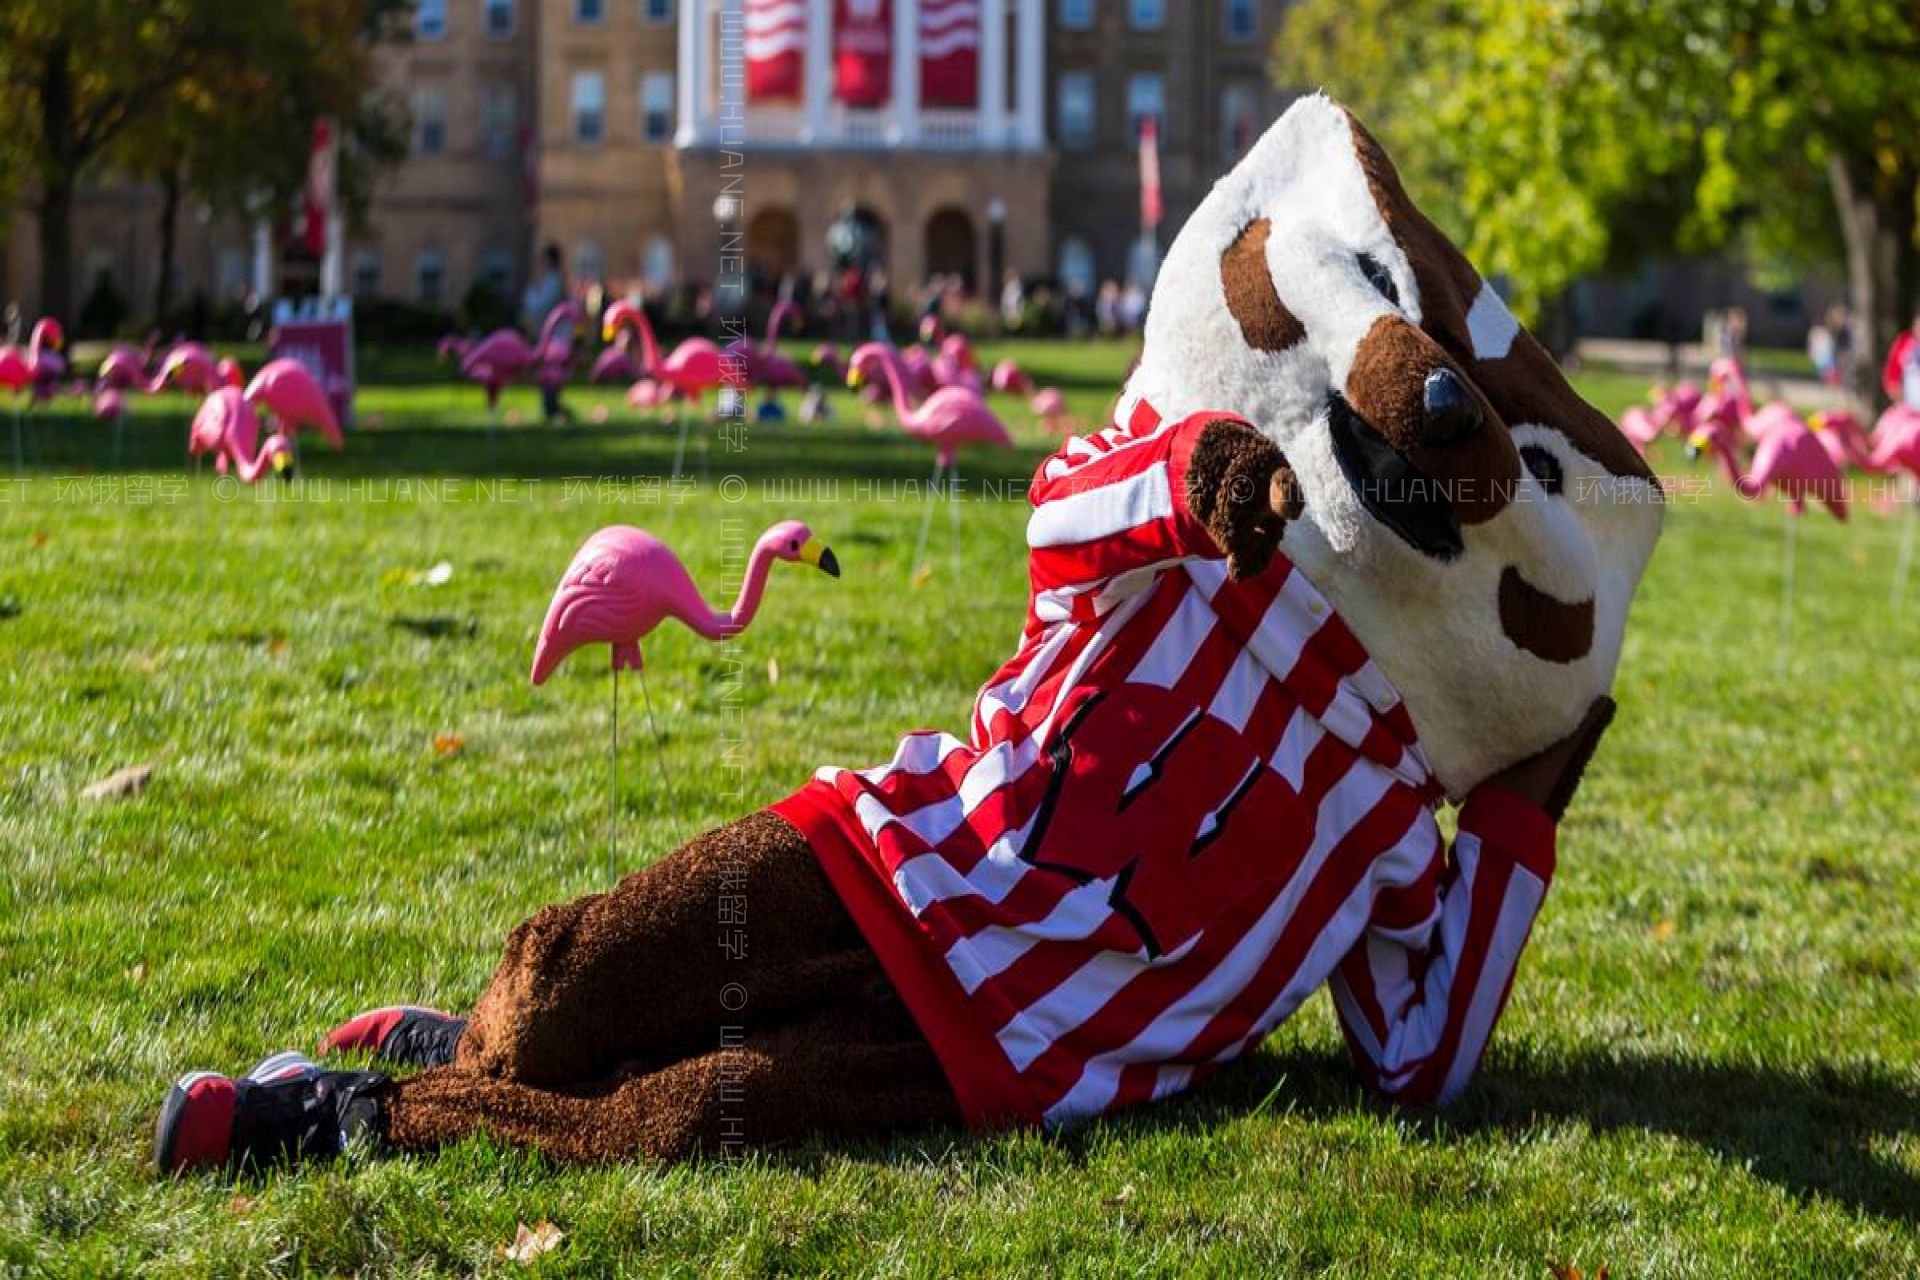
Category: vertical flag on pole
[1151,207]
[950,53]
[776,46]
[863,52]
[317,198]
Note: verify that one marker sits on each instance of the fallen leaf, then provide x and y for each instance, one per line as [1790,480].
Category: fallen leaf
[276,644]
[138,973]
[447,744]
[39,537]
[1662,930]
[151,662]
[1119,1197]
[923,575]
[240,1205]
[530,1242]
[773,671]
[130,781]
[1568,1271]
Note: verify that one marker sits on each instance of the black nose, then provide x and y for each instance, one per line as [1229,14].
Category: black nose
[1452,412]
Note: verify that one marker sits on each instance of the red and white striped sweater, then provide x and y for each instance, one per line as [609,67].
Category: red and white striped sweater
[1185,804]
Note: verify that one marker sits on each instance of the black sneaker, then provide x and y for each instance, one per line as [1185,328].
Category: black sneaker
[406,1034]
[285,1109]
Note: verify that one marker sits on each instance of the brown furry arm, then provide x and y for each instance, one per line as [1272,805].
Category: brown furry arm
[1240,487]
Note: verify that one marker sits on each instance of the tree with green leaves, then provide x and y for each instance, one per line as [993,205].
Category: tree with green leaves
[1557,138]
[221,94]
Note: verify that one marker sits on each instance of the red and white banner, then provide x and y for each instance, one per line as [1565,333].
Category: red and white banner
[1151,207]
[950,53]
[776,49]
[863,52]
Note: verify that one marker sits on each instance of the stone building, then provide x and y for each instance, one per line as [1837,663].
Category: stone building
[605,126]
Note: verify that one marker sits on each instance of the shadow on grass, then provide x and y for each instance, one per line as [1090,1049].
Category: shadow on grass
[1810,1133]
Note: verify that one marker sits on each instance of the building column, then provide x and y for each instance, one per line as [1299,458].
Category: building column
[819,81]
[993,72]
[905,130]
[1030,125]
[695,26]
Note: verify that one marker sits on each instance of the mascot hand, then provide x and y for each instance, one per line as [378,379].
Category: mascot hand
[1241,488]
[1550,778]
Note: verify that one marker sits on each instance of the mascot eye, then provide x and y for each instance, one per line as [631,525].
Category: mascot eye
[1379,277]
[1545,468]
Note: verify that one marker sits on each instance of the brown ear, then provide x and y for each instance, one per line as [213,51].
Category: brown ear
[1264,320]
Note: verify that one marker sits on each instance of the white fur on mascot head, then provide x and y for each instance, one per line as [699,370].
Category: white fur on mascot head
[1480,527]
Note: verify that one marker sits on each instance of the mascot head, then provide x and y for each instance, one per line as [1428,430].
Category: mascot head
[1481,527]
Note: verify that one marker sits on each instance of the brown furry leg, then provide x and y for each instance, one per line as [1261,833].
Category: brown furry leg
[842,1072]
[637,975]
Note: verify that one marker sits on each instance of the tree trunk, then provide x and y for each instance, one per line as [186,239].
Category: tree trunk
[169,220]
[1877,215]
[60,172]
[56,249]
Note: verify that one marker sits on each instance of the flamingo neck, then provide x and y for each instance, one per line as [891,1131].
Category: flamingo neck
[774,322]
[901,406]
[649,345]
[719,625]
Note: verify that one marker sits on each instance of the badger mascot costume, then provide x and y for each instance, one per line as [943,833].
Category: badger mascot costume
[1352,549]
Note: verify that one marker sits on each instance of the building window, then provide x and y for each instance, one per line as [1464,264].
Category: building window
[499,18]
[1239,121]
[590,12]
[658,267]
[366,273]
[657,10]
[430,20]
[430,277]
[1074,109]
[656,106]
[589,265]
[1076,267]
[233,273]
[1076,15]
[496,268]
[1146,96]
[589,107]
[430,120]
[499,121]
[1242,19]
[1147,15]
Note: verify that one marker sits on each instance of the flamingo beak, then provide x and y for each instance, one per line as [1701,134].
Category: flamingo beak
[820,556]
[608,330]
[855,378]
[280,463]
[1696,444]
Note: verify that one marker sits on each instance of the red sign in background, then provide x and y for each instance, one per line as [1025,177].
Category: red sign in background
[319,335]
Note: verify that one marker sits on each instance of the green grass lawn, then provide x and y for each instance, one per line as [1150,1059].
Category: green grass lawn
[1711,1065]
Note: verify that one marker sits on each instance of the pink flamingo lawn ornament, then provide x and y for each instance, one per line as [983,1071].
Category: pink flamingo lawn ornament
[1896,449]
[503,356]
[1677,408]
[1637,424]
[286,391]
[1789,459]
[766,367]
[191,368]
[1050,406]
[954,365]
[1010,379]
[623,582]
[227,427]
[1842,436]
[950,419]
[693,369]
[32,373]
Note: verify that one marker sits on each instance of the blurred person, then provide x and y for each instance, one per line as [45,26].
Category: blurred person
[1106,308]
[1821,349]
[547,291]
[1840,325]
[1013,300]
[1901,377]
[1133,306]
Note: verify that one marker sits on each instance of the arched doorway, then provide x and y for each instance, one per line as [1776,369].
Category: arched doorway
[773,243]
[951,247]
